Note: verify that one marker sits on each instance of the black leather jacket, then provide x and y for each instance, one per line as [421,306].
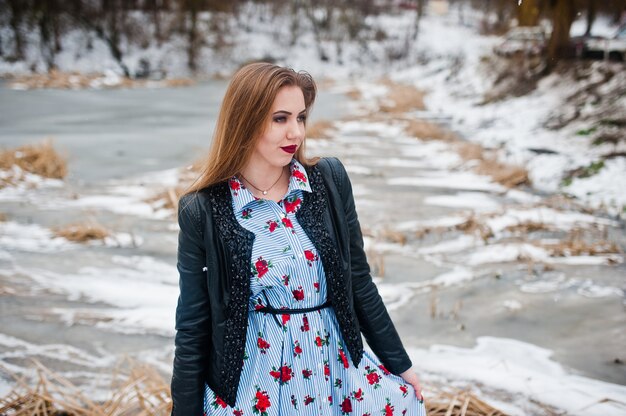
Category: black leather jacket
[214,253]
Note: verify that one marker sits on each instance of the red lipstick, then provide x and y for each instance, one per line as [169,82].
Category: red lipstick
[290,149]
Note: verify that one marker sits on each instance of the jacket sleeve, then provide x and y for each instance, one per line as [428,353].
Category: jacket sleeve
[374,320]
[193,320]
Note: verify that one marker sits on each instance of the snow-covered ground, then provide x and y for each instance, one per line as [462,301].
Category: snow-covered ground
[125,293]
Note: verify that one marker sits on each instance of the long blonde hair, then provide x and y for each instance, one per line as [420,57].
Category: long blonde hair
[243,117]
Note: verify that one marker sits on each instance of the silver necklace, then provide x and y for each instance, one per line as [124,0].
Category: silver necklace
[264,192]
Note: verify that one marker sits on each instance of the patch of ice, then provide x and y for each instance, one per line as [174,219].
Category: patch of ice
[476,200]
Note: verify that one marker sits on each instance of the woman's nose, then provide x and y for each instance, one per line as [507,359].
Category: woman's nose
[295,130]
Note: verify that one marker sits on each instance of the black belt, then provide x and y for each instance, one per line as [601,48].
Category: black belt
[288,311]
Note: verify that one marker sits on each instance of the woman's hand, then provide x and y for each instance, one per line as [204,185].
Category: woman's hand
[411,377]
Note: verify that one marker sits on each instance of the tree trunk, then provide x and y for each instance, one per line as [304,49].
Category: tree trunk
[192,35]
[17,15]
[419,11]
[156,18]
[527,13]
[591,15]
[563,14]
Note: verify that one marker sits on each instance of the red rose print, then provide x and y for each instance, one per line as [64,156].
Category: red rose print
[287,223]
[343,358]
[283,374]
[308,400]
[372,376]
[237,412]
[306,373]
[316,285]
[388,409]
[294,402]
[218,402]
[338,383]
[358,395]
[305,324]
[286,279]
[310,257]
[261,267]
[299,175]
[286,317]
[292,205]
[297,350]
[262,344]
[404,390]
[384,370]
[262,400]
[271,225]
[330,399]
[234,185]
[245,214]
[346,406]
[326,370]
[319,341]
[298,294]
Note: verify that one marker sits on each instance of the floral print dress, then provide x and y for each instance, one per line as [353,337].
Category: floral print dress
[297,363]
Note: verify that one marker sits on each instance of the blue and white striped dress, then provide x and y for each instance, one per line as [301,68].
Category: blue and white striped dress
[298,363]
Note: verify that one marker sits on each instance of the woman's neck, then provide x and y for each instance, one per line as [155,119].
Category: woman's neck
[274,181]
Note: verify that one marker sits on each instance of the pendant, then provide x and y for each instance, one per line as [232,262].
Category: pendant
[264,192]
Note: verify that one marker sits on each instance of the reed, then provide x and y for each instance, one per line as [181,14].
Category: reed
[39,159]
[82,232]
[139,389]
[321,129]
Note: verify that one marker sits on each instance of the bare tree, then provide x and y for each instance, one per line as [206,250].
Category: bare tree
[18,10]
[563,15]
[591,15]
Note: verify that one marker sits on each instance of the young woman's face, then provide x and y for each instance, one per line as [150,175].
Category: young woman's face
[284,131]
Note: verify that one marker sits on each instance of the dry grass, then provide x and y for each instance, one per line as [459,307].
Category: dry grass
[354,94]
[427,130]
[403,98]
[578,247]
[3,217]
[141,391]
[319,130]
[527,227]
[392,236]
[75,80]
[40,159]
[473,226]
[470,151]
[507,175]
[82,232]
[458,403]
[169,196]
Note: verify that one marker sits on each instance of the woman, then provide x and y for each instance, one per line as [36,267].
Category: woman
[275,289]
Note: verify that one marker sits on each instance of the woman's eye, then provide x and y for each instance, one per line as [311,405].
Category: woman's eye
[302,119]
[280,119]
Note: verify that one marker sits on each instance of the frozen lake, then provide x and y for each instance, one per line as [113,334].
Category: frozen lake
[470,310]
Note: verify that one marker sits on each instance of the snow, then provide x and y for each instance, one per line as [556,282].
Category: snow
[450,70]
[523,370]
